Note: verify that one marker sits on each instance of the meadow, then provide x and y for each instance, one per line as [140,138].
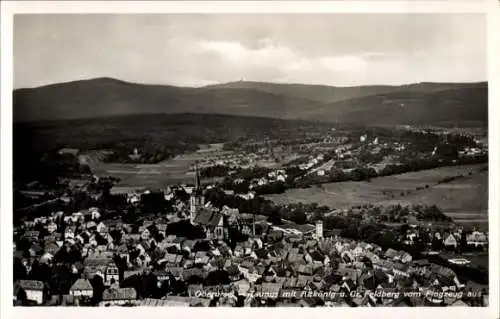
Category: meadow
[465,199]
[152,176]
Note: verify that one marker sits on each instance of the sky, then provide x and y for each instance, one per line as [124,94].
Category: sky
[203,49]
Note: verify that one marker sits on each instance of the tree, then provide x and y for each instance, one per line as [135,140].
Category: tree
[299,217]
[275,219]
[351,231]
[437,244]
[98,287]
[20,271]
[387,240]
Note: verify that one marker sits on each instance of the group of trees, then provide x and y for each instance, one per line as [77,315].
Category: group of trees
[147,153]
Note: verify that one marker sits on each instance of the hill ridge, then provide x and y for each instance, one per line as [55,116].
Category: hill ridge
[430,102]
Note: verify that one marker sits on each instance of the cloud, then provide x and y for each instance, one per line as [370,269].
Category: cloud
[287,63]
[194,50]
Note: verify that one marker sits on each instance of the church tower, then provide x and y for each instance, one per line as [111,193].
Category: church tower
[197,200]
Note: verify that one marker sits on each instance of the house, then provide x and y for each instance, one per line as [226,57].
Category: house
[305,270]
[147,223]
[477,239]
[400,270]
[404,257]
[242,286]
[102,228]
[118,296]
[46,258]
[268,290]
[51,227]
[173,259]
[112,224]
[162,228]
[233,272]
[195,290]
[81,288]
[374,258]
[31,235]
[132,272]
[91,225]
[391,254]
[51,248]
[69,233]
[145,234]
[193,272]
[112,273]
[420,266]
[176,272]
[77,217]
[33,290]
[94,213]
[450,241]
[161,275]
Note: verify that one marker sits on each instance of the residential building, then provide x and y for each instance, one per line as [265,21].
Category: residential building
[81,288]
[33,289]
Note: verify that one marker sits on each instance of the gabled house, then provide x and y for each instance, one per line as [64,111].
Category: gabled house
[51,227]
[374,258]
[91,225]
[161,275]
[112,273]
[33,290]
[233,273]
[69,233]
[46,258]
[118,296]
[450,241]
[162,228]
[404,257]
[94,213]
[81,288]
[31,235]
[391,254]
[477,239]
[102,228]
[51,248]
[145,234]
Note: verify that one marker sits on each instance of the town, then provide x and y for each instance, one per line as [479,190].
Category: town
[250,160]
[205,245]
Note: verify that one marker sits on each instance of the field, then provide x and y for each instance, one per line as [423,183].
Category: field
[152,176]
[464,199]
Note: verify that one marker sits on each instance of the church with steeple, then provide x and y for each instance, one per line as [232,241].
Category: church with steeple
[197,200]
[213,222]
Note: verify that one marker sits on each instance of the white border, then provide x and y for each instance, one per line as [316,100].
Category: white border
[8,8]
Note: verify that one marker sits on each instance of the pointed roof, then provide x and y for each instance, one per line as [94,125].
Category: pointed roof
[197,183]
[81,284]
[208,217]
[30,284]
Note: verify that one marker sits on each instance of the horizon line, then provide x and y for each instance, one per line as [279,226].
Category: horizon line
[242,81]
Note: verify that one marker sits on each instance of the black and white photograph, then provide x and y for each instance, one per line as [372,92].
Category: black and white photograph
[250,160]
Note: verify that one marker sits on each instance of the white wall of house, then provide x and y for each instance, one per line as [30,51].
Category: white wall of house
[81,293]
[35,295]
